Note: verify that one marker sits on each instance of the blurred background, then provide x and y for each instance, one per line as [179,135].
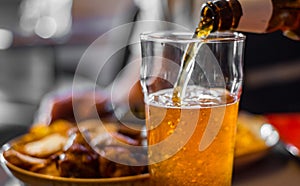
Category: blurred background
[41,43]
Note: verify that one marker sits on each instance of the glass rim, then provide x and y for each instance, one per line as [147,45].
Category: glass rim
[186,37]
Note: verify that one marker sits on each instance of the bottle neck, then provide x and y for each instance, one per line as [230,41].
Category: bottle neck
[222,14]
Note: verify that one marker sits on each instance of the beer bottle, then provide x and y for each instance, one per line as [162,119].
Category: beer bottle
[257,16]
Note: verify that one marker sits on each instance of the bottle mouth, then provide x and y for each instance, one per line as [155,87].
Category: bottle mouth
[209,16]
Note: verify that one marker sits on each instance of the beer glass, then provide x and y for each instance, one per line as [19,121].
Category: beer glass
[191,138]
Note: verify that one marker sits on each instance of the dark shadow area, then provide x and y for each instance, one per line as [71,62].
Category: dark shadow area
[272,74]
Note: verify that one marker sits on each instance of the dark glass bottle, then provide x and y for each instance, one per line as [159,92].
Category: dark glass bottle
[257,16]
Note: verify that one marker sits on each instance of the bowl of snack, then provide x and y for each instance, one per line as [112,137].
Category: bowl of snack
[60,154]
[254,139]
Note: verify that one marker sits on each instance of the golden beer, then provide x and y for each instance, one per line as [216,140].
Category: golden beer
[176,133]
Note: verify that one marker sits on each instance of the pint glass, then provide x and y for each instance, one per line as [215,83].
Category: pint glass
[191,142]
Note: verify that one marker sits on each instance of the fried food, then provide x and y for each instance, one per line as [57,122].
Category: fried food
[121,154]
[25,161]
[78,159]
[46,146]
[63,149]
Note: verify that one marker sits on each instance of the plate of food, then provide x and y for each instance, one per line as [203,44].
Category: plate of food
[58,154]
[255,138]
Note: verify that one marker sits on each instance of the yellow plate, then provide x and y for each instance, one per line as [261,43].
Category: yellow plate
[36,179]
